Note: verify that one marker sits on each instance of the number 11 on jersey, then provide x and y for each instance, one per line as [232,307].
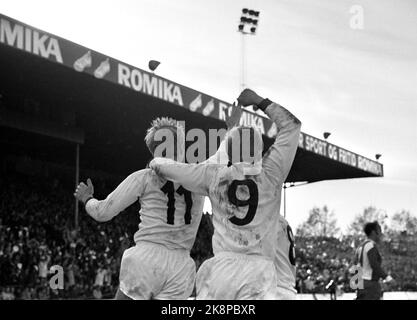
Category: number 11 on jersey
[169,190]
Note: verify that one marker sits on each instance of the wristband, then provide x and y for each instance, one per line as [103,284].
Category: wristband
[88,199]
[264,104]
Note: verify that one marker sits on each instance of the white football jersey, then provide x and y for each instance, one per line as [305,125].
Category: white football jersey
[245,207]
[284,259]
[170,214]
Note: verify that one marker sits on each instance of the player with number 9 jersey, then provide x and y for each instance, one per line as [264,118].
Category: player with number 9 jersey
[245,197]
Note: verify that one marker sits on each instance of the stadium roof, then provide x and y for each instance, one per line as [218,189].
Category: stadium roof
[107,106]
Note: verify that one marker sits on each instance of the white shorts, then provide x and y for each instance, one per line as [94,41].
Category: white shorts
[152,271]
[282,293]
[232,276]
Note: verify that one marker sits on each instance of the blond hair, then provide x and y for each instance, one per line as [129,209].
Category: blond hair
[165,123]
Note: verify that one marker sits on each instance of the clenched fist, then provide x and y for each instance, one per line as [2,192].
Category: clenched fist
[249,97]
[83,191]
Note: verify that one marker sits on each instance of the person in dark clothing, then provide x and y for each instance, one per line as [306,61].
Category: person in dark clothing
[331,287]
[368,258]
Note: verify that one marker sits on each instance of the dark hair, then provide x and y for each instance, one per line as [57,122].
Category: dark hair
[240,138]
[371,226]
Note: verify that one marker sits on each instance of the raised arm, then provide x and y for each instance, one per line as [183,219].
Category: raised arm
[280,156]
[193,177]
[122,197]
[221,157]
[278,159]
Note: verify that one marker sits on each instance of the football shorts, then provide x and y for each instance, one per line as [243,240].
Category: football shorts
[282,293]
[232,276]
[152,271]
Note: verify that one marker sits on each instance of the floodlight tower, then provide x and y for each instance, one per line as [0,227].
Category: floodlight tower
[248,23]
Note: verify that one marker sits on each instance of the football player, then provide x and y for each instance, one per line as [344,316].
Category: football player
[245,197]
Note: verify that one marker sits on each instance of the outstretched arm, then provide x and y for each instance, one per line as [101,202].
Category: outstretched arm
[122,197]
[221,157]
[193,177]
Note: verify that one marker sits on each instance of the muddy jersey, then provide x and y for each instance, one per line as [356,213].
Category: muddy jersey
[245,207]
[170,214]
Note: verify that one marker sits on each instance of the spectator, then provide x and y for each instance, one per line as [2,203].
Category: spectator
[331,287]
[97,292]
[100,276]
[7,294]
[43,267]
[369,259]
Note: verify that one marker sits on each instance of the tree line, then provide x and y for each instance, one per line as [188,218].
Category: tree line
[322,222]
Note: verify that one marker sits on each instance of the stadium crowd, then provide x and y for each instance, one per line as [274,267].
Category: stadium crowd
[321,260]
[36,232]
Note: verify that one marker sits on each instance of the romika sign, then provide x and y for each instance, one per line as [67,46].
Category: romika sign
[144,82]
[23,37]
[32,41]
[336,153]
[195,101]
[81,59]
